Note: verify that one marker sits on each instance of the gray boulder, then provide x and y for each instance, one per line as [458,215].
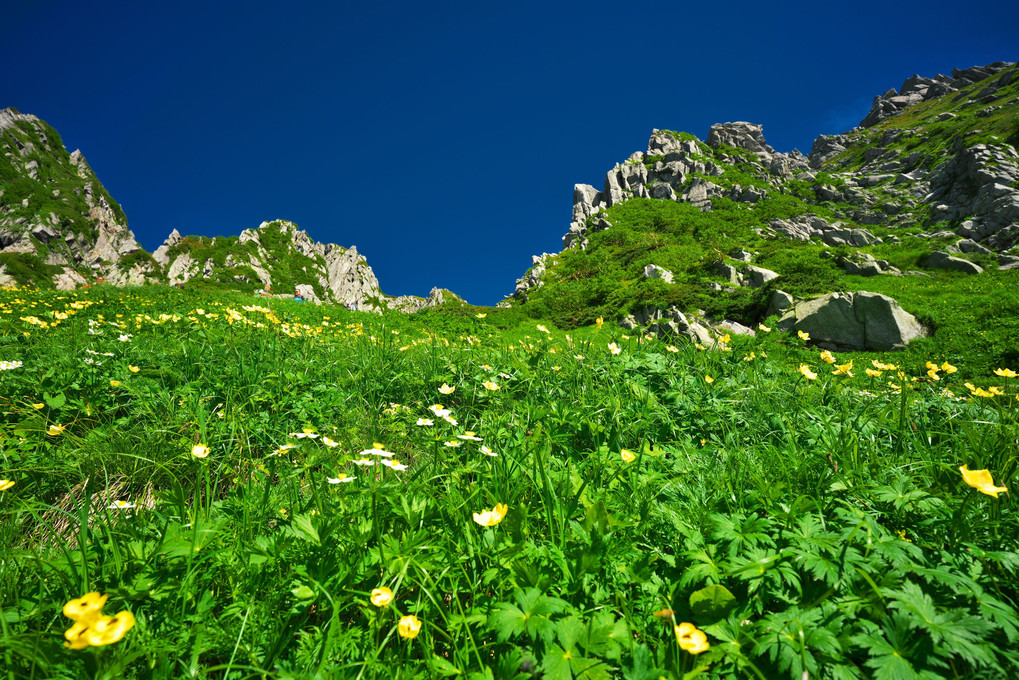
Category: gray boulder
[730,273]
[941,260]
[758,276]
[653,271]
[780,301]
[859,320]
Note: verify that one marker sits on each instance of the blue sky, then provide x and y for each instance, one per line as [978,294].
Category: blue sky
[444,139]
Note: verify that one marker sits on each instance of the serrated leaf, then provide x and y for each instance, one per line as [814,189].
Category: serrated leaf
[304,527]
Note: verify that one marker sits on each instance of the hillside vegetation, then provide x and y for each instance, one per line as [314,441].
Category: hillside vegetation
[270,489]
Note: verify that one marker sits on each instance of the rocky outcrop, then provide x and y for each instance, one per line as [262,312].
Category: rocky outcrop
[532,278]
[977,185]
[858,321]
[436,298]
[916,89]
[277,254]
[65,217]
[160,254]
[741,135]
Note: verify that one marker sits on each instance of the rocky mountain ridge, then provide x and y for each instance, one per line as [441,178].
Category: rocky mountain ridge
[59,226]
[933,166]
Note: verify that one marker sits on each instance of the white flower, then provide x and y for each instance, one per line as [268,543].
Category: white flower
[614,348]
[468,435]
[424,422]
[329,442]
[452,445]
[342,479]
[125,338]
[121,505]
[439,411]
[306,432]
[200,451]
[488,452]
[9,365]
[393,464]
[364,462]
[451,421]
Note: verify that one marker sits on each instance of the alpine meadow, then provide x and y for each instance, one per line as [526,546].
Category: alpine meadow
[758,419]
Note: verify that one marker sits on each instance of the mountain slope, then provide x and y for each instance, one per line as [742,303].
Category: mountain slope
[56,218]
[934,171]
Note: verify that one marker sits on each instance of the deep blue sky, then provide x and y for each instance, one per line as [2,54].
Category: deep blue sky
[444,139]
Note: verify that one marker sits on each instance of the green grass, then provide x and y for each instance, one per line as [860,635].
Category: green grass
[817,527]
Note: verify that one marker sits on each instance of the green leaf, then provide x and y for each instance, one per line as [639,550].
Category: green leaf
[304,527]
[54,402]
[303,592]
[711,604]
[443,667]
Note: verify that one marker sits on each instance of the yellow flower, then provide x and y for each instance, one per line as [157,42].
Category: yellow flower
[933,374]
[38,407]
[54,430]
[762,327]
[725,339]
[708,379]
[381,596]
[948,368]
[109,629]
[670,348]
[6,484]
[480,315]
[843,369]
[75,636]
[491,386]
[489,518]
[981,481]
[409,627]
[446,389]
[827,357]
[1005,373]
[614,348]
[200,451]
[807,373]
[599,321]
[87,608]
[873,373]
[803,336]
[542,328]
[691,639]
[627,456]
[133,369]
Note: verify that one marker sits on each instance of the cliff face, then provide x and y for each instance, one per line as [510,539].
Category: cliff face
[56,219]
